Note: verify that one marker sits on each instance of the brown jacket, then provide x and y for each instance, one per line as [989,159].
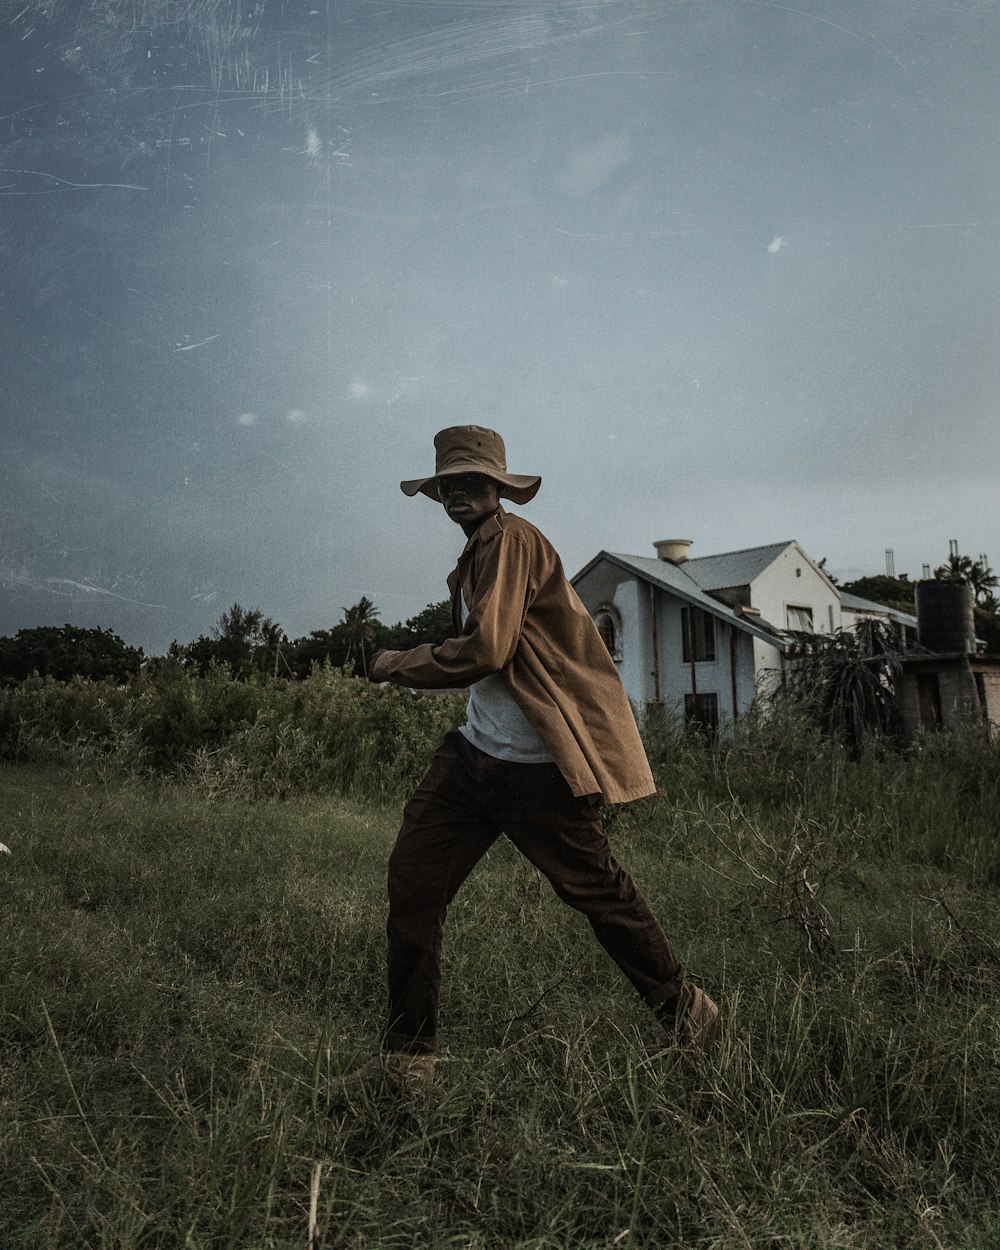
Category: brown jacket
[527,623]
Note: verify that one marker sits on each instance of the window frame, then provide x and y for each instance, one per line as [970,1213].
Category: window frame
[800,607]
[608,612]
[695,708]
[704,638]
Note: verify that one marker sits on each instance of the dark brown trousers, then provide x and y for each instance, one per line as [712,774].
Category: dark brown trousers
[461,807]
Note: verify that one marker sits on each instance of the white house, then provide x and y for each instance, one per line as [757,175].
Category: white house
[853,610]
[675,644]
[701,635]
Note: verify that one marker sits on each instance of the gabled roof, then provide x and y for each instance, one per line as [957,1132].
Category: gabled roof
[733,568]
[672,577]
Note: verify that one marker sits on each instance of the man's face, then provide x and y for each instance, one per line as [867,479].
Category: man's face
[469,498]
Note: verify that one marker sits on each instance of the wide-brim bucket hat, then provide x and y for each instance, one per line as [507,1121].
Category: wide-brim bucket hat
[473,449]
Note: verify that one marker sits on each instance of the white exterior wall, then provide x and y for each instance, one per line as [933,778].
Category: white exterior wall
[793,581]
[746,669]
[710,676]
[635,667]
[767,666]
[608,585]
[675,671]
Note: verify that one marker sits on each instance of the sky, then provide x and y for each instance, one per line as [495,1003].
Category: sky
[725,270]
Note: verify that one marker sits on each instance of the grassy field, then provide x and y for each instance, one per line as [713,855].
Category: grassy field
[183,978]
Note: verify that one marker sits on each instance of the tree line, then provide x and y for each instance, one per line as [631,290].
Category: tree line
[245,641]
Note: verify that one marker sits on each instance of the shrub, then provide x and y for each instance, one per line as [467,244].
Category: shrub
[258,736]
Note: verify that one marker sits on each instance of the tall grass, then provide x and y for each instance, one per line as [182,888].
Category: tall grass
[259,738]
[188,969]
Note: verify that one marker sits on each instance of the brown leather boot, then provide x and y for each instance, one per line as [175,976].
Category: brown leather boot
[692,1021]
[394,1069]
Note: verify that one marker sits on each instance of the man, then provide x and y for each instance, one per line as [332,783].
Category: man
[550,735]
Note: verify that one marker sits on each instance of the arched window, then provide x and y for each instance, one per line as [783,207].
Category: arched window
[609,626]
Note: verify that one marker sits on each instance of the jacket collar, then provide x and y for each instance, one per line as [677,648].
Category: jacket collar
[492,526]
[489,529]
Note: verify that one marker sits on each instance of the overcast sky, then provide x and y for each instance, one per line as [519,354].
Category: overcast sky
[726,270]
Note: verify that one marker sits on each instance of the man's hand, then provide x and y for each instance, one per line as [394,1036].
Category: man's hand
[381,657]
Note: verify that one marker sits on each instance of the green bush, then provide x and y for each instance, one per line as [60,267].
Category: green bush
[335,733]
[247,738]
[42,717]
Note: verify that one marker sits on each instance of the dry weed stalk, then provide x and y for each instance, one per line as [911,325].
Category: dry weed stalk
[787,877]
[976,945]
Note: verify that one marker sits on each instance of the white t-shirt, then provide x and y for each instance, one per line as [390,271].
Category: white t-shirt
[496,725]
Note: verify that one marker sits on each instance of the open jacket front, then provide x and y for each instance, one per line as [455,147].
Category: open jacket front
[527,623]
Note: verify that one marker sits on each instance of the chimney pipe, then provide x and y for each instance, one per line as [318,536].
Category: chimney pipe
[673,550]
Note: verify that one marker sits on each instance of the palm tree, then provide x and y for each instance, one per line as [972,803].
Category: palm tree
[983,580]
[977,573]
[848,680]
[271,639]
[360,621]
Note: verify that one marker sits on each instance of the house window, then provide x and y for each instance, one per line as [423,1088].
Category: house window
[701,713]
[698,628]
[609,627]
[800,619]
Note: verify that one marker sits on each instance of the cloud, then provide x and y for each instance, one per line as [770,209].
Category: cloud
[776,244]
[588,169]
[358,390]
[295,415]
[247,418]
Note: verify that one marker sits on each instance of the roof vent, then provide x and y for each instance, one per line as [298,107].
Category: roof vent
[673,550]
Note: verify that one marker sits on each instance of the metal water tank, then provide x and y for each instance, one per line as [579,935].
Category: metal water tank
[945,622]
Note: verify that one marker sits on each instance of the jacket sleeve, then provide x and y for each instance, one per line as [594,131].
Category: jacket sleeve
[505,587]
